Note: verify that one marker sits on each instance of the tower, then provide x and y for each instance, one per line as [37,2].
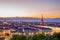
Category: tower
[42,20]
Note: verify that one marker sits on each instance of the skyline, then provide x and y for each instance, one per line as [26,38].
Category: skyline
[30,8]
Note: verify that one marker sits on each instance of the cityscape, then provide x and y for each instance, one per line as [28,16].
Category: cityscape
[23,26]
[30,20]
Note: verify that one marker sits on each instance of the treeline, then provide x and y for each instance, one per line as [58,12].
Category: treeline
[55,36]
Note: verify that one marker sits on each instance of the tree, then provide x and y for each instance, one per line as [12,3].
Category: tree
[42,36]
[22,37]
[55,39]
[15,37]
[18,37]
[56,36]
[35,37]
[39,37]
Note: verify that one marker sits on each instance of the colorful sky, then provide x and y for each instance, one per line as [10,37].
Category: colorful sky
[30,8]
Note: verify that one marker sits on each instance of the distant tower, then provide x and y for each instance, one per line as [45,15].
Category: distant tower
[42,20]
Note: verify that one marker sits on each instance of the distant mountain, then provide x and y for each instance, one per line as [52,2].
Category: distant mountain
[30,19]
[57,18]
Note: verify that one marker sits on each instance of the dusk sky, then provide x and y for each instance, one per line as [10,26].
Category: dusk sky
[30,8]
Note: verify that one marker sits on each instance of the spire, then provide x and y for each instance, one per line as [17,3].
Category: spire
[42,20]
[23,30]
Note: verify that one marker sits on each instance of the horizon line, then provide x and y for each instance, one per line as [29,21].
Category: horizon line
[24,17]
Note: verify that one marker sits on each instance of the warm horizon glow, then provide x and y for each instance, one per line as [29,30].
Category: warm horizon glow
[30,8]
